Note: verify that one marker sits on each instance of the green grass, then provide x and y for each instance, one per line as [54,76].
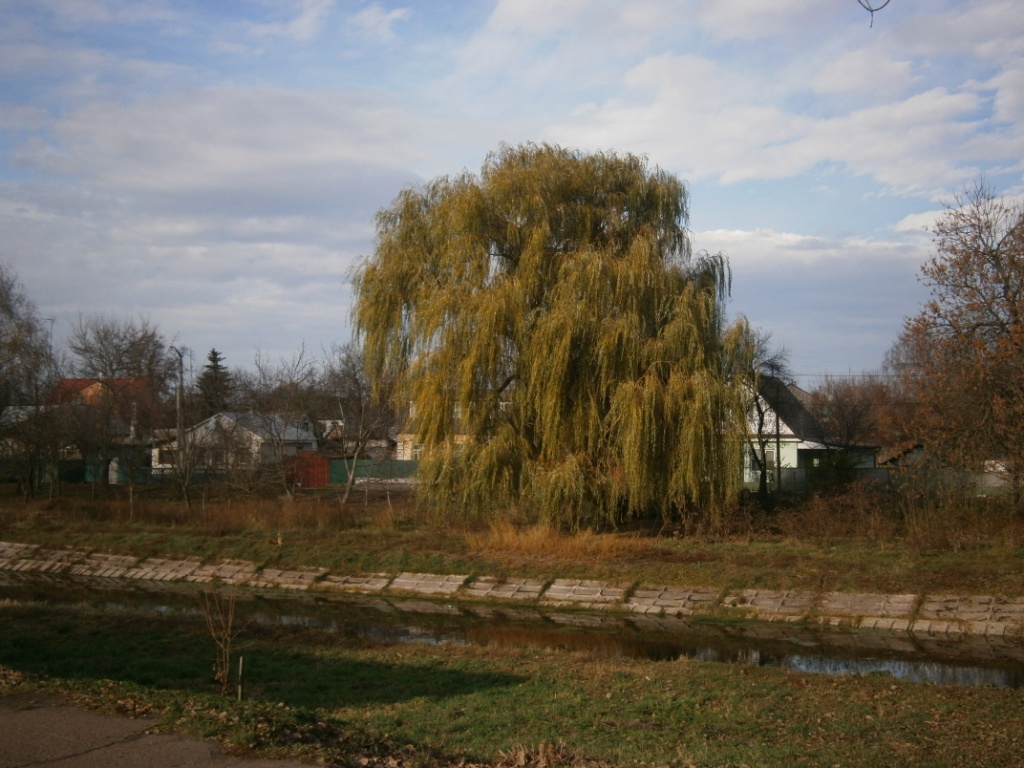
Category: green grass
[313,694]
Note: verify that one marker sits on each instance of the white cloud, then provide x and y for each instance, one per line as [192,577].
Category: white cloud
[749,249]
[251,143]
[154,159]
[1008,104]
[377,23]
[73,13]
[306,25]
[918,223]
[198,205]
[829,301]
[910,145]
[750,20]
[865,72]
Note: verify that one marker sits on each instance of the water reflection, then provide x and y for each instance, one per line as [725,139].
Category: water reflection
[994,662]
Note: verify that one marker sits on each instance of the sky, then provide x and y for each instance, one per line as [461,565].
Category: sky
[215,167]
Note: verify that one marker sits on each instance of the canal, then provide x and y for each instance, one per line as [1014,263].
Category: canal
[970,661]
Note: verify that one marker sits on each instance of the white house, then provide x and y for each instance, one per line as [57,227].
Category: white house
[239,440]
[783,433]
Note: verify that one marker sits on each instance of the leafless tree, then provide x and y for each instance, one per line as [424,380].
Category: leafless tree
[280,396]
[850,410]
[28,371]
[770,371]
[365,414]
[129,362]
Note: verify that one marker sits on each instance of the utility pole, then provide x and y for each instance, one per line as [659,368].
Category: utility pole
[179,436]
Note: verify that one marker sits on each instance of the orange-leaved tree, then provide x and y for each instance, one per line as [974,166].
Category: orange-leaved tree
[960,360]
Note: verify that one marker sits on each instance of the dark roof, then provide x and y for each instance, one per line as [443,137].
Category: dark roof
[792,405]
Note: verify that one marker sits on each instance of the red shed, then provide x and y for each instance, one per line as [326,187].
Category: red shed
[309,470]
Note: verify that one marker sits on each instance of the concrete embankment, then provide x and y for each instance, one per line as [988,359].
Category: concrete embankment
[926,615]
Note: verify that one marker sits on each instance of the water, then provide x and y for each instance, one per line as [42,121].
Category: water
[965,661]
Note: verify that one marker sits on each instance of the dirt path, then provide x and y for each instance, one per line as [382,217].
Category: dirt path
[37,730]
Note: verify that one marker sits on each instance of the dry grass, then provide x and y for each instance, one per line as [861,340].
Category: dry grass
[922,524]
[859,540]
[859,513]
[544,541]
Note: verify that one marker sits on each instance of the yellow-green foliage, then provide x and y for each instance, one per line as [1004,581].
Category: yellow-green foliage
[558,343]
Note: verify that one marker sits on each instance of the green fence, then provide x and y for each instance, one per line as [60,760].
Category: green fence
[376,469]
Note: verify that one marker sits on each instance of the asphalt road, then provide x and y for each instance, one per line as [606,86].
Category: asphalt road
[38,731]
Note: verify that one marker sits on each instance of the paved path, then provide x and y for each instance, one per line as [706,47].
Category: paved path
[942,616]
[39,731]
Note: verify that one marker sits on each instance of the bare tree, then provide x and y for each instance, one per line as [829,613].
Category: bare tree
[769,372]
[108,348]
[28,371]
[25,354]
[128,367]
[850,411]
[365,412]
[280,396]
[851,415]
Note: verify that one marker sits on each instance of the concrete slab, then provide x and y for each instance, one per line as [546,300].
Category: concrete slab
[858,606]
[49,561]
[13,552]
[582,594]
[277,578]
[773,605]
[374,582]
[493,588]
[929,617]
[160,569]
[671,601]
[233,572]
[428,583]
[103,566]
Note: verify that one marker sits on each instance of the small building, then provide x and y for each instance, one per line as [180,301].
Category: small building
[228,440]
[784,434]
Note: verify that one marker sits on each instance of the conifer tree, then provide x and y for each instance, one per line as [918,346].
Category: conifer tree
[215,385]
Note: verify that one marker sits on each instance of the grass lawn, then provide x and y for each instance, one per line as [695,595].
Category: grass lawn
[355,703]
[344,701]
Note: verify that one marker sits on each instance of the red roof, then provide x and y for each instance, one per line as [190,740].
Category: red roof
[75,390]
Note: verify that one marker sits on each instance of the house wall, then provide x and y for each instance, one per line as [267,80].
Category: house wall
[407,448]
[789,457]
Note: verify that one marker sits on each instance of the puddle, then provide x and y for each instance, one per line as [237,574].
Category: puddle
[969,661]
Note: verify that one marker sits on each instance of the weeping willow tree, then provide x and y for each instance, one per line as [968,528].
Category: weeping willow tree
[558,344]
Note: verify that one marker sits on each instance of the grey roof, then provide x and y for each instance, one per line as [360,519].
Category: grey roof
[268,426]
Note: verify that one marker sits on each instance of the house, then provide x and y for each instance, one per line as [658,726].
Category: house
[230,441]
[104,426]
[96,392]
[784,436]
[340,441]
[407,444]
